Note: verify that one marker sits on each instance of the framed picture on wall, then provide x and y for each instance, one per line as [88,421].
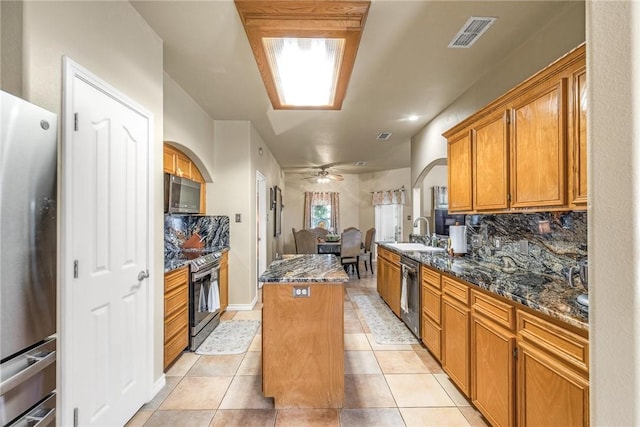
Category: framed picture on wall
[277,214]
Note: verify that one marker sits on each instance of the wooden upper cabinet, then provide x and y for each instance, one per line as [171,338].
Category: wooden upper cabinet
[578,136]
[177,163]
[459,154]
[491,163]
[538,147]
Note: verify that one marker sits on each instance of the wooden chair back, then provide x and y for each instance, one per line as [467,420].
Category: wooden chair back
[320,232]
[306,242]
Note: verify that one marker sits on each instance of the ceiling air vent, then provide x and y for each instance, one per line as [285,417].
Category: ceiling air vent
[360,163]
[471,31]
[384,135]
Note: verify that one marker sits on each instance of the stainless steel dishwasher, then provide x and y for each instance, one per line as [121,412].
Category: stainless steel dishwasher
[410,295]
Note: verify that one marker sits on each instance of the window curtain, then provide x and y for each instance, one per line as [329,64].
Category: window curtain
[312,198]
[388,197]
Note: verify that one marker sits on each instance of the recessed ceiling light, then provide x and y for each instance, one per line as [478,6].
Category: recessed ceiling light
[412,118]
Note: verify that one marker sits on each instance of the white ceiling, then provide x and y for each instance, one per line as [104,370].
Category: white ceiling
[403,67]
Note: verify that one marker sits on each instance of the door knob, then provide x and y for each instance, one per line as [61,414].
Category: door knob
[143,275]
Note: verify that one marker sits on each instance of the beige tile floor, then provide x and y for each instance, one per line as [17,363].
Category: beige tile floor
[385,385]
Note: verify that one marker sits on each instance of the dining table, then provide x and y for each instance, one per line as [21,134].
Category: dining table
[329,247]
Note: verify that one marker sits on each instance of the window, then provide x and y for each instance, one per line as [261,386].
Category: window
[321,216]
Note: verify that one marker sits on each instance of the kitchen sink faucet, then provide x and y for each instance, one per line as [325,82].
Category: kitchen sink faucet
[415,223]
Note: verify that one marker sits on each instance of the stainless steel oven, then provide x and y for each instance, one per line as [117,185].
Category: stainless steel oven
[410,296]
[204,298]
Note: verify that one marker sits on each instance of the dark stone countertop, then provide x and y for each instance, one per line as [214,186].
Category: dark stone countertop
[546,294]
[305,268]
[184,257]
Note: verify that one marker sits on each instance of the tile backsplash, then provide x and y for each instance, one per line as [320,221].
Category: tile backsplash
[209,232]
[544,243]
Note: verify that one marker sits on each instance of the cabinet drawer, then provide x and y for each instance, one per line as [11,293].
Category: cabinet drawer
[431,278]
[498,311]
[176,278]
[177,324]
[431,303]
[554,339]
[174,347]
[455,289]
[176,301]
[391,256]
[432,336]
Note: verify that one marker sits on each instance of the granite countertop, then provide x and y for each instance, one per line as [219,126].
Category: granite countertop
[180,259]
[543,293]
[305,268]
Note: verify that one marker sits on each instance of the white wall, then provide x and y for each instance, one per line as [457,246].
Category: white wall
[613,63]
[111,40]
[384,180]
[188,127]
[11,47]
[554,40]
[236,160]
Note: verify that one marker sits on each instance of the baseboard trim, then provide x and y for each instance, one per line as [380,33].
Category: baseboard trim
[243,307]
[158,385]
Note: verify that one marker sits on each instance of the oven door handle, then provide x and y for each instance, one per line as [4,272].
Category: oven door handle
[200,275]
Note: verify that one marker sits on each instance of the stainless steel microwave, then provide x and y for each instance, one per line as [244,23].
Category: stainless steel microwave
[181,195]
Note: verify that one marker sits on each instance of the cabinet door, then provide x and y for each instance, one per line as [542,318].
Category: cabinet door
[380,275]
[183,166]
[578,136]
[493,371]
[549,392]
[169,160]
[491,163]
[538,147]
[459,157]
[455,342]
[224,281]
[395,285]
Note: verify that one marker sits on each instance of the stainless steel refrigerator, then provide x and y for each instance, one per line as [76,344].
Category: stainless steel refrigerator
[27,263]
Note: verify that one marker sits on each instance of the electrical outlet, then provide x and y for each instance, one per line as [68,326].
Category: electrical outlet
[238,218]
[301,291]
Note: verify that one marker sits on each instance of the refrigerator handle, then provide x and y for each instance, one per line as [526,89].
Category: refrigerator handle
[42,360]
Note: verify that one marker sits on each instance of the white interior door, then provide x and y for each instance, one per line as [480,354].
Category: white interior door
[107,329]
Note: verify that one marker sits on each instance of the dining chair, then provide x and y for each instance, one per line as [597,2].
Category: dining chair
[320,232]
[369,243]
[306,242]
[350,242]
[350,228]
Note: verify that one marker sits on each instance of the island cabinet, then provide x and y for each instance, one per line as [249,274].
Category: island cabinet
[223,280]
[553,374]
[527,149]
[432,311]
[176,314]
[303,345]
[493,344]
[389,281]
[455,332]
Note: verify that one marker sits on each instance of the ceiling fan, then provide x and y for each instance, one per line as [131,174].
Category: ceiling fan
[323,176]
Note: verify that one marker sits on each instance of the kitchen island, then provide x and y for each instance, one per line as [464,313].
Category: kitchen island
[303,331]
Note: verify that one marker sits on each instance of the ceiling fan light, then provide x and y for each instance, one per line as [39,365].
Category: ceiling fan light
[305,70]
[323,180]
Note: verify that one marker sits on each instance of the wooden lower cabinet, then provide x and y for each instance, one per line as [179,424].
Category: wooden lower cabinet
[432,312]
[553,379]
[455,332]
[176,314]
[224,282]
[389,279]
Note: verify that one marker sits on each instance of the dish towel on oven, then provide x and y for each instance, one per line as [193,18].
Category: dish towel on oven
[213,299]
[202,303]
[404,303]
